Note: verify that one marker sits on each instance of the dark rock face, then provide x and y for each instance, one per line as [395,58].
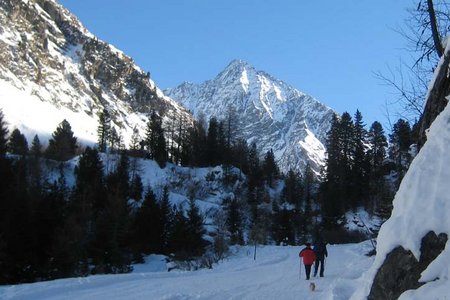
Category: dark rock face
[401,270]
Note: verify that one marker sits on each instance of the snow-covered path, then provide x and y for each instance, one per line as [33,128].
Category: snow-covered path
[274,275]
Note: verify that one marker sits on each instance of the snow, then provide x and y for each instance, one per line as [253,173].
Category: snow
[422,204]
[362,221]
[244,81]
[315,149]
[273,275]
[22,107]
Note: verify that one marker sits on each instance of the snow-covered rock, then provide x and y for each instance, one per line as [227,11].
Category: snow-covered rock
[421,206]
[271,113]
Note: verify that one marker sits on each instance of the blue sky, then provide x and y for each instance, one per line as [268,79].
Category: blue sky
[326,48]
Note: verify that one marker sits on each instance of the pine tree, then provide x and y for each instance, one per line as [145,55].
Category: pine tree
[135,144]
[89,190]
[309,182]
[6,175]
[230,127]
[179,237]
[88,202]
[148,228]
[34,165]
[115,141]
[195,231]
[400,140]
[334,189]
[17,143]
[3,135]
[360,169]
[283,227]
[111,224]
[136,187]
[166,219]
[103,130]
[240,154]
[270,168]
[36,147]
[122,177]
[17,229]
[292,191]
[212,143]
[254,180]
[377,147]
[63,144]
[48,216]
[155,140]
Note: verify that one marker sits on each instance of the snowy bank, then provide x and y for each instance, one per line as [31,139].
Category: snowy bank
[422,204]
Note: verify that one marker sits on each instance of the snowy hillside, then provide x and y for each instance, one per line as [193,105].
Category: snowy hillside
[421,205]
[52,68]
[274,275]
[271,113]
[204,184]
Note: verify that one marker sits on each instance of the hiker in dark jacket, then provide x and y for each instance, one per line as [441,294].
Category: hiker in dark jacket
[320,249]
[308,256]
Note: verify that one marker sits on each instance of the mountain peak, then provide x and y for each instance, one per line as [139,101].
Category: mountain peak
[271,112]
[238,64]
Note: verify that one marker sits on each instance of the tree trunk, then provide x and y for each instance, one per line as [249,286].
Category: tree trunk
[436,98]
[434,29]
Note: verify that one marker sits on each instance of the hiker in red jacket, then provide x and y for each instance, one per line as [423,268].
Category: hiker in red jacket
[309,257]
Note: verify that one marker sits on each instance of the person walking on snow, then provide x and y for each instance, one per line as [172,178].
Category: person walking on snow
[309,257]
[320,249]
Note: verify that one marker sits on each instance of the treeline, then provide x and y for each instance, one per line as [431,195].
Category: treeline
[106,220]
[363,169]
[50,230]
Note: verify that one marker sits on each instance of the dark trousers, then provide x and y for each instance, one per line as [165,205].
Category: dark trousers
[308,271]
[316,266]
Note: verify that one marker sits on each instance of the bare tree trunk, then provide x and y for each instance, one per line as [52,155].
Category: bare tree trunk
[434,29]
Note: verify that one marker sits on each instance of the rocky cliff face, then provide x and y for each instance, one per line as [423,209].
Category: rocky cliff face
[272,114]
[46,53]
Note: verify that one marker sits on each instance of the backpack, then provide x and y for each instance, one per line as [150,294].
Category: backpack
[319,249]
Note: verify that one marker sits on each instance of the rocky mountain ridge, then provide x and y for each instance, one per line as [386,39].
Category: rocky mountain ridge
[48,55]
[271,113]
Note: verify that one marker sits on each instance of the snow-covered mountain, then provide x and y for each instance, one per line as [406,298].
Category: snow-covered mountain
[52,68]
[271,113]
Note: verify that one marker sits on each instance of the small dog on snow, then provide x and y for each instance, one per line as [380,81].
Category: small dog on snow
[312,286]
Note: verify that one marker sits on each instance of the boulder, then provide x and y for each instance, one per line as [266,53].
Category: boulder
[401,271]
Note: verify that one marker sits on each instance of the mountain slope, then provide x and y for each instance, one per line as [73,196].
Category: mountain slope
[51,64]
[271,113]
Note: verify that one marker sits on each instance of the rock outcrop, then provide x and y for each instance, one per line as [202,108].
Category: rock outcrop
[401,271]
